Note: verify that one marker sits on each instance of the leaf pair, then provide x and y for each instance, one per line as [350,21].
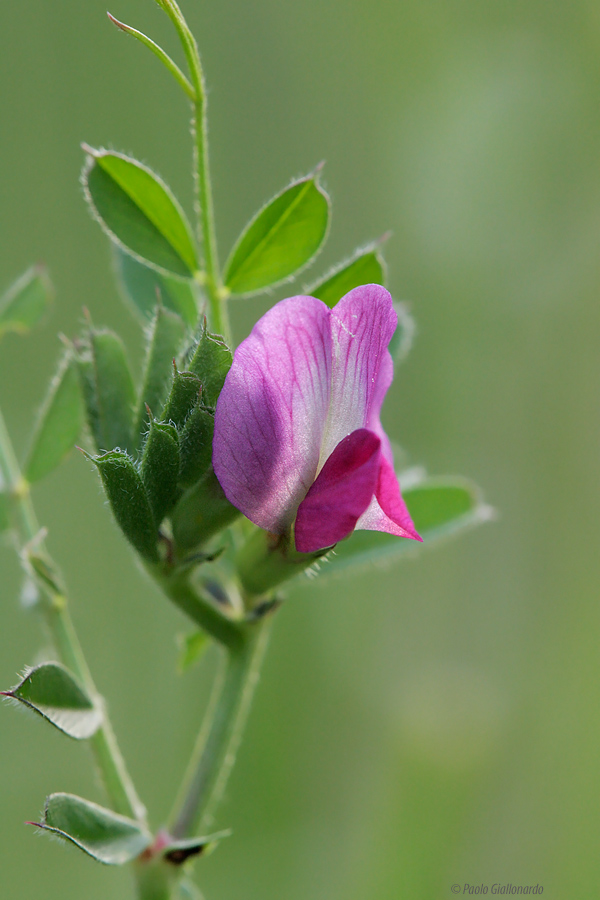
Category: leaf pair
[140,214]
[54,694]
[110,838]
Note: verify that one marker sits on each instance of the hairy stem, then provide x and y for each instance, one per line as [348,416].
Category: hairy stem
[204,201]
[117,781]
[177,587]
[220,735]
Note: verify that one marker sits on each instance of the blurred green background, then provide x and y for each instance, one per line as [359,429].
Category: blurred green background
[431,724]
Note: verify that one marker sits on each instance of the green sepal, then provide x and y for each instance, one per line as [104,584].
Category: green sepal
[104,835]
[54,693]
[210,360]
[160,468]
[129,501]
[183,397]
[404,334]
[367,266]
[267,560]
[281,239]
[164,339]
[141,286]
[59,422]
[195,445]
[202,512]
[108,390]
[439,507]
[26,301]
[191,649]
[139,212]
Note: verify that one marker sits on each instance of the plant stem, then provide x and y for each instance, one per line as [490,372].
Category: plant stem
[165,59]
[204,201]
[156,881]
[203,612]
[117,781]
[220,735]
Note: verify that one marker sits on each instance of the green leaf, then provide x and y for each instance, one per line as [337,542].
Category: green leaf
[404,334]
[59,423]
[281,239]
[160,469]
[439,507]
[165,337]
[211,361]
[104,835]
[366,267]
[185,393]
[51,691]
[108,390]
[191,649]
[141,286]
[129,501]
[195,445]
[178,852]
[24,304]
[138,211]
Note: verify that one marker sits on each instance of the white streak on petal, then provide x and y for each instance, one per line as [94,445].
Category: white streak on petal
[362,325]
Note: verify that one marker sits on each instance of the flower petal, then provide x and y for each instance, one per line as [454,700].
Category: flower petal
[387,510]
[362,325]
[272,411]
[341,493]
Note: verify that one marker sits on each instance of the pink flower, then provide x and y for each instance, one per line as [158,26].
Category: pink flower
[297,432]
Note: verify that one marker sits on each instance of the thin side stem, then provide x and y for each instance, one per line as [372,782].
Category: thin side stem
[178,589]
[204,201]
[220,735]
[165,59]
[117,781]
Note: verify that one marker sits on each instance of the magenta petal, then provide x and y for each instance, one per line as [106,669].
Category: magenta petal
[272,411]
[341,493]
[387,510]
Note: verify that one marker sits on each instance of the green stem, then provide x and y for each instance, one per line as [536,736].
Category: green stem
[117,781]
[203,612]
[220,735]
[156,881]
[204,201]
[165,59]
